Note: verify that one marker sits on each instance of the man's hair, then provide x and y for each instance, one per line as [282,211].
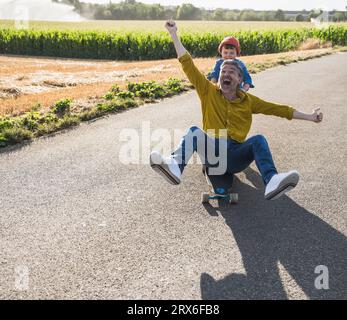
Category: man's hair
[233,63]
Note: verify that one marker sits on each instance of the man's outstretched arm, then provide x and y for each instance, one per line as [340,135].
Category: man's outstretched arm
[172,28]
[315,116]
[284,111]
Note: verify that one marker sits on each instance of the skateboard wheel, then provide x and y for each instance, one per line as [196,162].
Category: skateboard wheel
[234,197]
[205,197]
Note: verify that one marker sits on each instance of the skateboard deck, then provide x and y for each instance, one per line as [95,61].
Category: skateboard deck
[221,187]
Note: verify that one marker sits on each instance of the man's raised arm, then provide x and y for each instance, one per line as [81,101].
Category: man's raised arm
[196,78]
[172,28]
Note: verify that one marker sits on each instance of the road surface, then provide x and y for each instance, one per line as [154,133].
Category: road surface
[77,223]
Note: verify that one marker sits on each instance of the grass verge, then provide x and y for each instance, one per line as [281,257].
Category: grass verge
[64,114]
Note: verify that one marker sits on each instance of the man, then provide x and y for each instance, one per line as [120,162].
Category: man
[227,111]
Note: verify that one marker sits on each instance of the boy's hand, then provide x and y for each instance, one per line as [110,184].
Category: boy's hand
[316,115]
[171,26]
[245,87]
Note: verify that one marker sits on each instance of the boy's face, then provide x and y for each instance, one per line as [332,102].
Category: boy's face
[229,53]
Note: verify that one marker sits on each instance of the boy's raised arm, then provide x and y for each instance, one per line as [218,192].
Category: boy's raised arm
[172,28]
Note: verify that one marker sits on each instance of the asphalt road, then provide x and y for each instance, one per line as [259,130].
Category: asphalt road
[76,222]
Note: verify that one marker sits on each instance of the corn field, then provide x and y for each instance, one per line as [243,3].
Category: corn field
[154,46]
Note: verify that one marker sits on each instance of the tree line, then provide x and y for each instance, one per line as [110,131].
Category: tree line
[133,10]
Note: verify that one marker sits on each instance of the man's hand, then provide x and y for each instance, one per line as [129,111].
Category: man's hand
[171,26]
[316,115]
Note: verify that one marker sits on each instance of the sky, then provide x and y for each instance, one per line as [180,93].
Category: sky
[47,10]
[252,4]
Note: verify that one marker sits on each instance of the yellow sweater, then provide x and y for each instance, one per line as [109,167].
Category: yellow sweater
[219,113]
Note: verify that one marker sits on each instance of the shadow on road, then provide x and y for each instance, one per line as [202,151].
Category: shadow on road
[272,232]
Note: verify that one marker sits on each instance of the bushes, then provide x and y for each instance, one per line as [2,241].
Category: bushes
[150,90]
[125,95]
[33,123]
[14,135]
[175,85]
[154,46]
[62,107]
[117,104]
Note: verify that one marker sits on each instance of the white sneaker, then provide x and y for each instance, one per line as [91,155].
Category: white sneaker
[166,167]
[280,184]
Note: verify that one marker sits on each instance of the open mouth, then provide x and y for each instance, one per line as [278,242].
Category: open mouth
[227,82]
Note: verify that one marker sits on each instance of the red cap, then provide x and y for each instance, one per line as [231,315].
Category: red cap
[230,40]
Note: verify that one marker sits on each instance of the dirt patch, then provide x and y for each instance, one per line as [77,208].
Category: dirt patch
[9,93]
[48,77]
[52,83]
[46,99]
[311,44]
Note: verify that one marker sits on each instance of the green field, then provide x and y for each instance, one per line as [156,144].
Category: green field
[148,26]
[148,40]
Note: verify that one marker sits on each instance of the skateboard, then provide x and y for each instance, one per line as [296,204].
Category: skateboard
[220,187]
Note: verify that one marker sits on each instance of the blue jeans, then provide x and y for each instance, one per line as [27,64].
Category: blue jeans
[228,155]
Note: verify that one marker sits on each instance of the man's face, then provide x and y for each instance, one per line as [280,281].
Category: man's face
[229,78]
[229,53]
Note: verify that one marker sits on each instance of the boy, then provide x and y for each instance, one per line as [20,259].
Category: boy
[230,48]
